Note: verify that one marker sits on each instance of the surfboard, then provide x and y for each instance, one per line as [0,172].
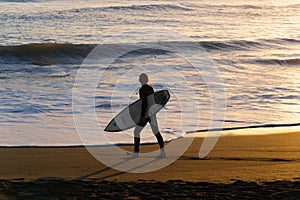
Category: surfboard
[130,116]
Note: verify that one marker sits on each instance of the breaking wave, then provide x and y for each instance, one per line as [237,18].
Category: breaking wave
[44,54]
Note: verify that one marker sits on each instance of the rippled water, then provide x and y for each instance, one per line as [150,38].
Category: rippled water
[255,47]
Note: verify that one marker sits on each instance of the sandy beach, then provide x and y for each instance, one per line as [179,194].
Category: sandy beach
[253,166]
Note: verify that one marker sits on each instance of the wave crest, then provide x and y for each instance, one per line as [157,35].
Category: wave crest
[295,61]
[55,53]
[148,7]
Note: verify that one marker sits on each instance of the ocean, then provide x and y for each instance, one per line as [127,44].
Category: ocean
[252,45]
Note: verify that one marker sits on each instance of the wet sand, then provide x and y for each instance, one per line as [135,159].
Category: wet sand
[238,166]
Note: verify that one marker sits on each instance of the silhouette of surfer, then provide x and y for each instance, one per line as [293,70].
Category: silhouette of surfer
[144,92]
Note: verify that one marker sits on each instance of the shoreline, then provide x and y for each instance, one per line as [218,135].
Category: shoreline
[271,129]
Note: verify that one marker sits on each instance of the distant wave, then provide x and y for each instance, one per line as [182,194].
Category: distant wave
[281,41]
[295,61]
[44,53]
[54,53]
[149,7]
[18,1]
[240,6]
[230,45]
[244,7]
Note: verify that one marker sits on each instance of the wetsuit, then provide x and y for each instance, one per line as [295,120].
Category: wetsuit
[144,92]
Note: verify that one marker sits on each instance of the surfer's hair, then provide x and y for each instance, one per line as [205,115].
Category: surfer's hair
[143,78]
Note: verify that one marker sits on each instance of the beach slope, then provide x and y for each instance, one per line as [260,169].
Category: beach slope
[240,162]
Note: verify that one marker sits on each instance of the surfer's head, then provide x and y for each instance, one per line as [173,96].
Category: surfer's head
[143,78]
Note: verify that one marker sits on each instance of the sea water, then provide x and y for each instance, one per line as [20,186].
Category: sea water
[43,44]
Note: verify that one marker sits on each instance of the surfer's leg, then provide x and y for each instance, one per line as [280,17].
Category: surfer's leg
[137,139]
[155,130]
[160,140]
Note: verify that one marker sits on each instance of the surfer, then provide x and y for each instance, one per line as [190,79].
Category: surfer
[145,91]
